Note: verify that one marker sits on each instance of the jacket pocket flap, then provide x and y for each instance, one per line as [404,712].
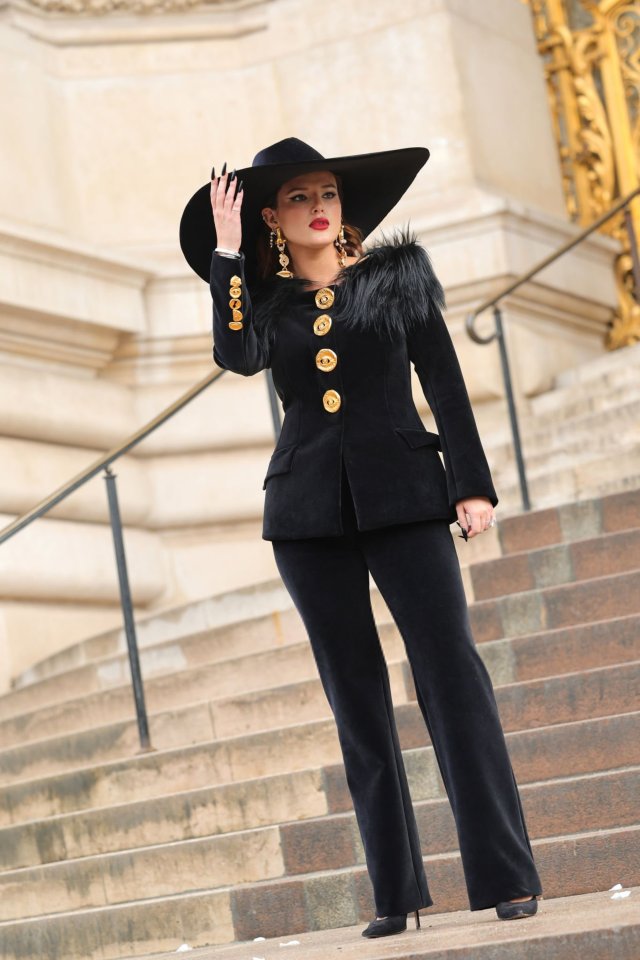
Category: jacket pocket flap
[281,460]
[419,436]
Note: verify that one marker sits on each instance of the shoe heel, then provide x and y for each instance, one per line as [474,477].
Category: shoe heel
[417,920]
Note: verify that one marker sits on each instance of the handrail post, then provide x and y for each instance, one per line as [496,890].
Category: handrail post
[127,611]
[513,416]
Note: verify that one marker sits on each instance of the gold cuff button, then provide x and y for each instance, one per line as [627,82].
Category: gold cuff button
[331,400]
[237,314]
[324,297]
[235,292]
[235,324]
[326,359]
[322,324]
[235,281]
[235,304]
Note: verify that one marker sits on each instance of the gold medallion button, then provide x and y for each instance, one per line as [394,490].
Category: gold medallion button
[235,304]
[326,359]
[237,314]
[235,324]
[324,297]
[235,292]
[322,324]
[235,281]
[331,400]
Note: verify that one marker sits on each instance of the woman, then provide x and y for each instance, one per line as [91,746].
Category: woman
[355,486]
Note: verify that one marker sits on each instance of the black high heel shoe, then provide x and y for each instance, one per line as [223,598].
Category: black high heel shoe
[389,925]
[507,910]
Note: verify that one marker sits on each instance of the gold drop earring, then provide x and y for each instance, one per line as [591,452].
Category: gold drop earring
[338,244]
[282,257]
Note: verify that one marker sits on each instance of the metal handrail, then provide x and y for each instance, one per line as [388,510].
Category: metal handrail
[107,458]
[498,333]
[104,463]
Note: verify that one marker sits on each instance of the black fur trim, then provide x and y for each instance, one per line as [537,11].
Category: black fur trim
[389,290]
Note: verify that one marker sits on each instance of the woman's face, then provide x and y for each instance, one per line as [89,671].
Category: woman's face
[308,209]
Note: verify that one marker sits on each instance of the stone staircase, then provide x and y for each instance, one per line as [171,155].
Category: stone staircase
[580,439]
[239,823]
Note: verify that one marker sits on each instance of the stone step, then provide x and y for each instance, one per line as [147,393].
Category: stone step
[545,436]
[248,638]
[177,725]
[600,476]
[561,454]
[568,522]
[239,620]
[590,926]
[220,679]
[519,658]
[570,749]
[571,805]
[286,749]
[613,389]
[100,663]
[593,370]
[527,703]
[564,605]
[531,569]
[89,679]
[572,864]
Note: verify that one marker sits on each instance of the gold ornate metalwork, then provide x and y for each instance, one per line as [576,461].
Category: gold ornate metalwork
[591,52]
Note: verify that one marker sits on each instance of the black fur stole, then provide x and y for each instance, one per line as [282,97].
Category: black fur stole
[390,290]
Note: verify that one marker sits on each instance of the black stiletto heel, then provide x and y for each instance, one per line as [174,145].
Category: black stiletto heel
[507,910]
[387,926]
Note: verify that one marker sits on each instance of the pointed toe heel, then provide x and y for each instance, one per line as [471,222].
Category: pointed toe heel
[507,910]
[387,926]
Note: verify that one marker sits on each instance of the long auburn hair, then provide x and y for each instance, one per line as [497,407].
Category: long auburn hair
[267,257]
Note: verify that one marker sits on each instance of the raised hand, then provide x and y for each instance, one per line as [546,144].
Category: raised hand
[226,203]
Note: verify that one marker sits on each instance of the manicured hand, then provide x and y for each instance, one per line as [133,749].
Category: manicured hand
[474,515]
[226,203]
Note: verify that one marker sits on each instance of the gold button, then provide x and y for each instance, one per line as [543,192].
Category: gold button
[235,304]
[322,324]
[324,297]
[235,292]
[235,281]
[331,400]
[237,314]
[235,324]
[326,359]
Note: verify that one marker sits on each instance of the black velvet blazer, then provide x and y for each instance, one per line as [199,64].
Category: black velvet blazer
[342,371]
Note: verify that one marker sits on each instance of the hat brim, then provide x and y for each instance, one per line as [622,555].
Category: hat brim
[372,183]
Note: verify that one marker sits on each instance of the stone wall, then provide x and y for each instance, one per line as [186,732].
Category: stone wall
[112,116]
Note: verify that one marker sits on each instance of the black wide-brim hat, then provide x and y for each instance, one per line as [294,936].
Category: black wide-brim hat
[372,184]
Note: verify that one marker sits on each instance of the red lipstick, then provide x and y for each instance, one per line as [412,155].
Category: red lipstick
[320,223]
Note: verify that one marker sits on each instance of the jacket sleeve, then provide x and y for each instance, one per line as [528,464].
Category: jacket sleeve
[433,355]
[236,346]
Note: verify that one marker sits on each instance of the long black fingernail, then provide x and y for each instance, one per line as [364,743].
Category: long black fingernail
[240,186]
[224,169]
[213,173]
[233,173]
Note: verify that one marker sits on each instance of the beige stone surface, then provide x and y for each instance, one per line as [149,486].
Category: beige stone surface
[110,122]
[479,930]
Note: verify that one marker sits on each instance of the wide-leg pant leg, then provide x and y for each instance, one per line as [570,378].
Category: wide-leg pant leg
[416,569]
[328,582]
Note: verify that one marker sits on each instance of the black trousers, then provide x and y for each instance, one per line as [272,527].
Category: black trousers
[415,566]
